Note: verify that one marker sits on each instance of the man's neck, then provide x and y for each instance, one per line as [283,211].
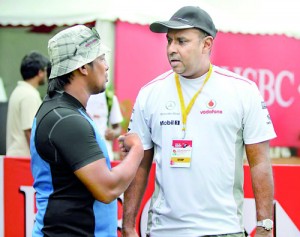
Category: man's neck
[33,81]
[78,91]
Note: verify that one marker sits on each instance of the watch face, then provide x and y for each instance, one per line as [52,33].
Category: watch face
[268,224]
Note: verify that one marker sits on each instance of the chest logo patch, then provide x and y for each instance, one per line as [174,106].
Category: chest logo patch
[211,104]
[170,105]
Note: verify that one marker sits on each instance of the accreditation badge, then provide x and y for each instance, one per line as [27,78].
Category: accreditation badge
[181,154]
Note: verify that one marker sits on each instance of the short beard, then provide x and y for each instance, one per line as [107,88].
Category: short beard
[42,82]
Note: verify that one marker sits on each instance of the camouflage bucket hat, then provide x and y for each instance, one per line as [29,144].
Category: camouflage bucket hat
[72,48]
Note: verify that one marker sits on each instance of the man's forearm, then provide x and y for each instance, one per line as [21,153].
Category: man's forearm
[263,189]
[132,200]
[134,194]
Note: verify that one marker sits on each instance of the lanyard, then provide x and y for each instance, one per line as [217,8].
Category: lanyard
[186,110]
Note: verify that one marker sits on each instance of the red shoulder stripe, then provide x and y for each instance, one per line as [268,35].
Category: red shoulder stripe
[160,78]
[231,76]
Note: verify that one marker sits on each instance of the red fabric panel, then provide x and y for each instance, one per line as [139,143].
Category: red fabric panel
[16,174]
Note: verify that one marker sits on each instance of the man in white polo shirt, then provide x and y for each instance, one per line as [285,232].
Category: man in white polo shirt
[24,103]
[195,122]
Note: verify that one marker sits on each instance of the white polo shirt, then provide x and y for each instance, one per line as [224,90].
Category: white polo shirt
[207,197]
[23,104]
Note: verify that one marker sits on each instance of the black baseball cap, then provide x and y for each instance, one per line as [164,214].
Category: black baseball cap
[185,18]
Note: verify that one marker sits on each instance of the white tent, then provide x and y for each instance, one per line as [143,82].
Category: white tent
[237,16]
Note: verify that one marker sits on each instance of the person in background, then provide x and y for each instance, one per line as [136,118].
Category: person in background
[76,187]
[24,103]
[3,97]
[105,110]
[195,121]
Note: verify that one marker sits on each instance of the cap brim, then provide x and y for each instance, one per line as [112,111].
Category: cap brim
[164,26]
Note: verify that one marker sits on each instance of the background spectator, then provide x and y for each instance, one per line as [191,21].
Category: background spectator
[24,103]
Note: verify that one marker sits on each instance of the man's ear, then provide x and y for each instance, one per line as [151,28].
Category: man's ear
[208,43]
[83,70]
[41,73]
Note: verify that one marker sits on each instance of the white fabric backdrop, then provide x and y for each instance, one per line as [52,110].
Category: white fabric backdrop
[237,16]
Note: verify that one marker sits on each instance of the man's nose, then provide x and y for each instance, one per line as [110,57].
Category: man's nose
[172,48]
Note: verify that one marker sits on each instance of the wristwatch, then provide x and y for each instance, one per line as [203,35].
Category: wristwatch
[267,224]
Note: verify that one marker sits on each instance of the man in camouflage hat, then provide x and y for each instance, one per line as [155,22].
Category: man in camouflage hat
[75,184]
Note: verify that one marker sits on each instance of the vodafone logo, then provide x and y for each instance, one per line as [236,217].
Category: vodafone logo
[211,104]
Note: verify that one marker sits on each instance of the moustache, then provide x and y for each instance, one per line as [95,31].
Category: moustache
[171,58]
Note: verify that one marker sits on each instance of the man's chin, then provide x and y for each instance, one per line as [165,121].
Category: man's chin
[179,72]
[41,83]
[101,90]
[182,74]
